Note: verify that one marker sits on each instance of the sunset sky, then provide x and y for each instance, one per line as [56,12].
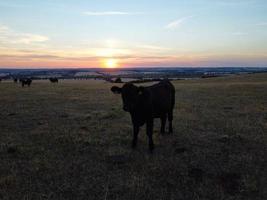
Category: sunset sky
[138,33]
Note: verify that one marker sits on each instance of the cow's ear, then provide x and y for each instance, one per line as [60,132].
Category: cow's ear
[115,89]
[141,90]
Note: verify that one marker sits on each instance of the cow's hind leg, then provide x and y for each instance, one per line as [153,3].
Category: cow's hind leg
[135,135]
[170,118]
[163,123]
[149,132]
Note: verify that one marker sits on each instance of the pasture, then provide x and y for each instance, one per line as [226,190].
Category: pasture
[72,140]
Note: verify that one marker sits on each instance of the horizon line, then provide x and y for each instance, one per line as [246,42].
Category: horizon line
[117,68]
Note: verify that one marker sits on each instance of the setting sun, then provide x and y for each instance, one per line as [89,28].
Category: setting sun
[111,63]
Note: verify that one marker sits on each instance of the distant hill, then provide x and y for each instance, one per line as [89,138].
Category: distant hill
[138,73]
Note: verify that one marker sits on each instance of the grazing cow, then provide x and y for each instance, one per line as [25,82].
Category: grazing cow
[146,103]
[15,80]
[53,80]
[25,81]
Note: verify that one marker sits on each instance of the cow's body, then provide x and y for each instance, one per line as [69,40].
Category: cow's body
[146,103]
[53,80]
[25,81]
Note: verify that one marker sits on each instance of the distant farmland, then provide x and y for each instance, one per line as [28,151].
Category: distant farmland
[72,141]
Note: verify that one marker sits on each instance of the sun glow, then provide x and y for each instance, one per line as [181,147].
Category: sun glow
[111,63]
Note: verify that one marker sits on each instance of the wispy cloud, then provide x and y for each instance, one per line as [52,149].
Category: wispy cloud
[234,2]
[239,33]
[153,47]
[3,29]
[105,13]
[9,36]
[13,5]
[261,24]
[177,23]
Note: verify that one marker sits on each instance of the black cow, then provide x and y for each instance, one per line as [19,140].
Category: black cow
[53,80]
[15,80]
[25,81]
[146,103]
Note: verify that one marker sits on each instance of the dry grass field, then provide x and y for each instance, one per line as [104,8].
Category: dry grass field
[72,140]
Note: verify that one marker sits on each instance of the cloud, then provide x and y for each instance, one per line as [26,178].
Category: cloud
[177,23]
[234,2]
[261,24]
[9,36]
[152,47]
[36,58]
[105,13]
[114,47]
[3,28]
[12,5]
[239,33]
[27,38]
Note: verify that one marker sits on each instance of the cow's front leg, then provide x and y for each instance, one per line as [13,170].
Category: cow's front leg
[149,132]
[135,135]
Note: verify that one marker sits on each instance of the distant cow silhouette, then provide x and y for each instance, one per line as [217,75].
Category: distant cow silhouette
[146,103]
[15,80]
[25,81]
[53,80]
[118,80]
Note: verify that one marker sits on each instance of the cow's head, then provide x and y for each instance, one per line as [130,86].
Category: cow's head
[129,94]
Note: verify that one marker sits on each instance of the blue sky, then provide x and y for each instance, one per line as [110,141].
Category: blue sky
[76,33]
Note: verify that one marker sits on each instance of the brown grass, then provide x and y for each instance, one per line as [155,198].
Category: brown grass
[72,141]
